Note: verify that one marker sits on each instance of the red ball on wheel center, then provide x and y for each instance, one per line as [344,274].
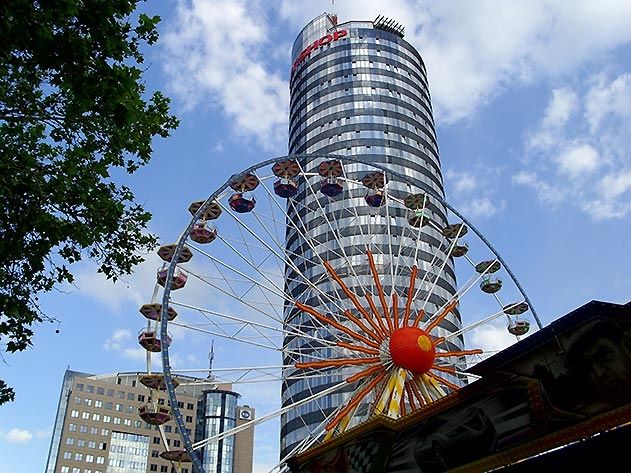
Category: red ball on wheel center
[412,349]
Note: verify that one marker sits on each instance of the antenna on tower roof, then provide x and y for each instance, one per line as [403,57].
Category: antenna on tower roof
[390,25]
[211,357]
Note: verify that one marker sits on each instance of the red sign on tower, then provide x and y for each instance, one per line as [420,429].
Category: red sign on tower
[317,45]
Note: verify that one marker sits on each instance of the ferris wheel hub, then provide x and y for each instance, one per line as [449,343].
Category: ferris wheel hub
[411,348]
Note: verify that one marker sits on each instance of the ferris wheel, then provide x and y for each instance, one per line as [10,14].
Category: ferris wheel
[352,287]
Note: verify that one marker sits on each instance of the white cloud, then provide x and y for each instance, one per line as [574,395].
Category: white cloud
[547,194]
[491,337]
[134,289]
[614,185]
[614,197]
[563,105]
[583,158]
[461,181]
[475,50]
[16,435]
[472,194]
[213,52]
[578,160]
[123,343]
[115,342]
[605,209]
[608,99]
[483,207]
[135,353]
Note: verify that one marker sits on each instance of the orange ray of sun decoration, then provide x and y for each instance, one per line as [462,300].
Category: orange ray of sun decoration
[337,325]
[382,297]
[437,319]
[338,362]
[355,401]
[350,346]
[408,303]
[475,351]
[375,311]
[443,381]
[361,325]
[424,386]
[363,374]
[346,290]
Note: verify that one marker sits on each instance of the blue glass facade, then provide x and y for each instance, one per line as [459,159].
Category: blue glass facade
[363,93]
[217,412]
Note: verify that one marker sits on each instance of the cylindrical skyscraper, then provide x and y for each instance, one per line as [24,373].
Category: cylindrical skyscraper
[357,89]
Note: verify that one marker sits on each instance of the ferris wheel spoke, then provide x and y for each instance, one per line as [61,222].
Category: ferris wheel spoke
[333,323]
[274,289]
[264,290]
[225,335]
[389,228]
[380,292]
[357,218]
[318,372]
[474,325]
[355,400]
[450,305]
[233,296]
[246,341]
[283,330]
[335,234]
[245,376]
[306,280]
[408,302]
[276,223]
[396,274]
[419,232]
[330,299]
[414,270]
[265,378]
[294,267]
[436,259]
[440,271]
[333,299]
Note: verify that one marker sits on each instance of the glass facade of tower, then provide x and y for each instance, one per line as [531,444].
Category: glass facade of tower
[356,90]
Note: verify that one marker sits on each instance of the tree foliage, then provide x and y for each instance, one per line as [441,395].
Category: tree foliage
[73,108]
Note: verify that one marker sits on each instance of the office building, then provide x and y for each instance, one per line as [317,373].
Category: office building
[357,89]
[98,428]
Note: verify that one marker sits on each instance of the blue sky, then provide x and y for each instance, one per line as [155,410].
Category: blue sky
[532,104]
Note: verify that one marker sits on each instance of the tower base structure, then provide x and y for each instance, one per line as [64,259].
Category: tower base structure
[559,397]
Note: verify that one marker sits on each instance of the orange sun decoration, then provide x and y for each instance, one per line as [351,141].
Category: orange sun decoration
[398,356]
